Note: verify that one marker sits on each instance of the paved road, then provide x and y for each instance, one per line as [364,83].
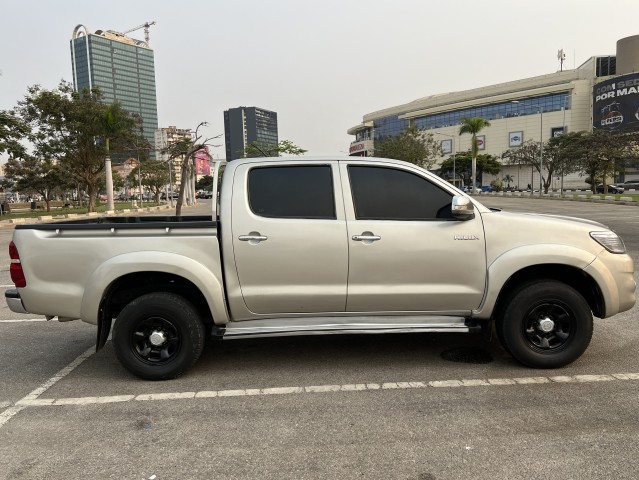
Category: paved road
[332,407]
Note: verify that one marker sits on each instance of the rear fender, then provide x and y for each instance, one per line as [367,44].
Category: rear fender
[207,281]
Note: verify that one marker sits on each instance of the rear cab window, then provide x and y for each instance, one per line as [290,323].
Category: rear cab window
[297,191]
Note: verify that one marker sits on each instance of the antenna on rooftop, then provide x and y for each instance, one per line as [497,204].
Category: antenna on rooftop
[561,56]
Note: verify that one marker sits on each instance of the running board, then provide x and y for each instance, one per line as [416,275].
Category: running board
[343,325]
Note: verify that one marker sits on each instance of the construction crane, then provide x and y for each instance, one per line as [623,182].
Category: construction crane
[146,30]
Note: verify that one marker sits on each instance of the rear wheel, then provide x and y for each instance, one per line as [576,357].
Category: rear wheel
[545,324]
[157,336]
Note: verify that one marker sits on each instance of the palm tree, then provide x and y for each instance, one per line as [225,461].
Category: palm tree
[508,178]
[115,122]
[473,126]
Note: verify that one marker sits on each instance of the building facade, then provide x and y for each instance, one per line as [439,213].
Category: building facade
[122,68]
[163,138]
[534,108]
[244,126]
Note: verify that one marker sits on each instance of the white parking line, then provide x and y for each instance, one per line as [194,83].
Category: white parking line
[33,396]
[21,320]
[355,387]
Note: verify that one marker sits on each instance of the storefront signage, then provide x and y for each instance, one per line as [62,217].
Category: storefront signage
[516,139]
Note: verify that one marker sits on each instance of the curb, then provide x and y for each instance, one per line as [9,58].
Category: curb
[573,198]
[4,224]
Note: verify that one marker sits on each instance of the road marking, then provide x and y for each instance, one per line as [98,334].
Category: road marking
[32,400]
[21,320]
[33,396]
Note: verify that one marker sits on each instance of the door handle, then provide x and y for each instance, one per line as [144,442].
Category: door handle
[366,237]
[252,238]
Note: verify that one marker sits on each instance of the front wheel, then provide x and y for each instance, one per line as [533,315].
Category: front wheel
[545,324]
[158,335]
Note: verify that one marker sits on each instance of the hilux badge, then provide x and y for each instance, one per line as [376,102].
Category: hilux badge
[466,237]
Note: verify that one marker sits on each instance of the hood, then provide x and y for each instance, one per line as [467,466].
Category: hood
[567,218]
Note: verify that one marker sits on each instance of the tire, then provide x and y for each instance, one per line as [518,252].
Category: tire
[545,324]
[158,336]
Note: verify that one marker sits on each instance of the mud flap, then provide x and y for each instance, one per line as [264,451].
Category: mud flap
[104,328]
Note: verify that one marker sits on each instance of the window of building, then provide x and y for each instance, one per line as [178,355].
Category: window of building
[526,106]
[304,191]
[381,193]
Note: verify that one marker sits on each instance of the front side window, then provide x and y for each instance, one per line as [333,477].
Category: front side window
[304,191]
[381,193]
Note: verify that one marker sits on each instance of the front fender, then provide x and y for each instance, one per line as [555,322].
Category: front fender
[512,261]
[207,281]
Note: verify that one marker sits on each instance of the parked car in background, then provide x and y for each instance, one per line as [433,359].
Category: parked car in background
[630,185]
[611,189]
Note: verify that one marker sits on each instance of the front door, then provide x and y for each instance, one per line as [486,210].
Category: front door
[289,238]
[407,252]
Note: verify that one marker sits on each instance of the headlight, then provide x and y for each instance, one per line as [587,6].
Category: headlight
[610,241]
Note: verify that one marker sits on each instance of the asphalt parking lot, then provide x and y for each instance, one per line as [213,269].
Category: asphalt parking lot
[325,407]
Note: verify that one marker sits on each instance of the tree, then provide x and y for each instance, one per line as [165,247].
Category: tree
[526,154]
[508,178]
[284,147]
[412,145]
[473,126]
[12,130]
[184,151]
[559,155]
[31,174]
[462,164]
[155,176]
[69,127]
[205,183]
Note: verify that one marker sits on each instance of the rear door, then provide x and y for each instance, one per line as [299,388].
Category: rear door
[289,237]
[407,252]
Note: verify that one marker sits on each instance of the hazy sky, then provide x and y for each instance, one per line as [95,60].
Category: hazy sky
[320,65]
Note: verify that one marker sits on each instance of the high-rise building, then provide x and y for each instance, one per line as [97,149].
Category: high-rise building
[164,137]
[247,125]
[122,68]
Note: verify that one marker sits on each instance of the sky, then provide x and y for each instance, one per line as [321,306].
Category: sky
[320,65]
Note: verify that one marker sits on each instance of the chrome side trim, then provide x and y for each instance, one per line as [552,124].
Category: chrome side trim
[345,325]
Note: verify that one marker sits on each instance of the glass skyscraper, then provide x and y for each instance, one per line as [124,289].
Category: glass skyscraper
[122,68]
[245,125]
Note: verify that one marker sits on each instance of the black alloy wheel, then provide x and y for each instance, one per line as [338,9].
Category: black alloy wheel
[545,324]
[158,336]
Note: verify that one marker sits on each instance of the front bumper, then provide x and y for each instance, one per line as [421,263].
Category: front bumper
[14,301]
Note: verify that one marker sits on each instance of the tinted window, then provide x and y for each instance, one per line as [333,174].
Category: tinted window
[381,193]
[292,192]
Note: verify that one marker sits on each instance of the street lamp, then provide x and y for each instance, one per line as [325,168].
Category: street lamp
[541,150]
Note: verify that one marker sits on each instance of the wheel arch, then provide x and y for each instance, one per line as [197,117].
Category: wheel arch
[560,262]
[570,275]
[125,277]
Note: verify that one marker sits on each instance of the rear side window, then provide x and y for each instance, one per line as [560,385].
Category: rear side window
[304,191]
[381,193]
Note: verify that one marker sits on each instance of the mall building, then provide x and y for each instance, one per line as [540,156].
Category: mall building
[603,93]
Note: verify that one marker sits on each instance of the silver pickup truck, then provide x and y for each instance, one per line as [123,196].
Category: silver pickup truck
[322,246]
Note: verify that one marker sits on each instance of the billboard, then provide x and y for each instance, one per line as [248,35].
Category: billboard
[446,146]
[203,161]
[615,104]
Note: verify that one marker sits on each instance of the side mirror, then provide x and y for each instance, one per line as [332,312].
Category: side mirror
[462,208]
